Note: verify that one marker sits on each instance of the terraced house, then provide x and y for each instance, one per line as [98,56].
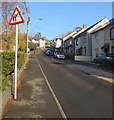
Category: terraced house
[83,42]
[68,44]
[103,39]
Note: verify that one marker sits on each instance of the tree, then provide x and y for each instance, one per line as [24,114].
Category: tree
[8,41]
[37,36]
[61,35]
[32,46]
[64,34]
[22,41]
[9,44]
[43,38]
[8,31]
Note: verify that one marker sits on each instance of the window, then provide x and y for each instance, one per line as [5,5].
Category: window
[112,49]
[76,42]
[70,42]
[85,50]
[112,33]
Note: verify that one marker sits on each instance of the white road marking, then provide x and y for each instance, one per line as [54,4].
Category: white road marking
[104,78]
[53,93]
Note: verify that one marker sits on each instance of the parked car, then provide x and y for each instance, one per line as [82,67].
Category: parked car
[55,53]
[59,56]
[105,59]
[49,53]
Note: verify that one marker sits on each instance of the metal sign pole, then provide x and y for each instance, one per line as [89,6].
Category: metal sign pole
[17,17]
[16,51]
[27,34]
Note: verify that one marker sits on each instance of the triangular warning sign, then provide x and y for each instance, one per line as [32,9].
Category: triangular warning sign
[17,17]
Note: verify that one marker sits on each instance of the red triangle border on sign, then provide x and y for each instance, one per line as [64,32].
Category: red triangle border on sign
[19,15]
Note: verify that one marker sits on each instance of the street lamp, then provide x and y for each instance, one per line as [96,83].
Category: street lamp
[28,31]
[39,36]
[40,19]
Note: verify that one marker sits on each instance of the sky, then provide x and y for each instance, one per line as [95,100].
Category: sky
[60,17]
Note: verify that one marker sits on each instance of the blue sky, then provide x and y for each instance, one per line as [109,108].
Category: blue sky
[59,17]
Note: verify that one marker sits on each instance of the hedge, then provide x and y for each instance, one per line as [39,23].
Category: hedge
[8,65]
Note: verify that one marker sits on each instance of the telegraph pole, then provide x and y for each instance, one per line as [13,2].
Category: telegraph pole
[28,23]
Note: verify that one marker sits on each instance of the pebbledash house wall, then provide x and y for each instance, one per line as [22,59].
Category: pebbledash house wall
[84,41]
[107,37]
[88,42]
[97,43]
[69,46]
[66,42]
[58,43]
[101,38]
[42,43]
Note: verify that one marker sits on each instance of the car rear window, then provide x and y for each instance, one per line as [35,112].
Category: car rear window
[110,55]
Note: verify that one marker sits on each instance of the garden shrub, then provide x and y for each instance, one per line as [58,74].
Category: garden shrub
[8,65]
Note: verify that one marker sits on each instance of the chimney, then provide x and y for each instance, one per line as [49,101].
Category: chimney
[84,26]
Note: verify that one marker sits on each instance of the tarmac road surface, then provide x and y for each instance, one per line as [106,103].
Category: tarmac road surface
[81,95]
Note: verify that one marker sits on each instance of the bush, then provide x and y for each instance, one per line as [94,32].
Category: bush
[32,46]
[8,61]
[21,59]
[8,65]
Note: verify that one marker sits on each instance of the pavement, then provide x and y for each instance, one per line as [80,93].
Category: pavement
[34,98]
[93,69]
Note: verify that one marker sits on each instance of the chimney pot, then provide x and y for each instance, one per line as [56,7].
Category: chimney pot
[84,26]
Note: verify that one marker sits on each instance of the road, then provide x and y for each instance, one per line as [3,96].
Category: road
[80,95]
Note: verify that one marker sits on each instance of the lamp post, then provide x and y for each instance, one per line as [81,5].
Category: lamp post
[28,26]
[28,31]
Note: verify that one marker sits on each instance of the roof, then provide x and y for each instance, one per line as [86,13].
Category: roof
[110,22]
[81,32]
[58,39]
[84,32]
[87,29]
[101,27]
[69,35]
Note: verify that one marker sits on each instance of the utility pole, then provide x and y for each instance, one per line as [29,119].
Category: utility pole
[28,31]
